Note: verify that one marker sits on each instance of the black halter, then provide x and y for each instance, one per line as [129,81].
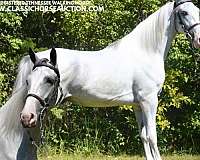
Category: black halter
[45,102]
[177,4]
[185,29]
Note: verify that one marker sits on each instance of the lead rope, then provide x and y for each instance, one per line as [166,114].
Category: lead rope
[42,128]
[42,132]
[42,117]
[41,120]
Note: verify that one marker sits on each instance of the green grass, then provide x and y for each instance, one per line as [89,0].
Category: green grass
[52,153]
[65,156]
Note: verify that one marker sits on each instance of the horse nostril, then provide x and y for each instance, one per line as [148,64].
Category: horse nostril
[23,117]
[32,116]
[32,122]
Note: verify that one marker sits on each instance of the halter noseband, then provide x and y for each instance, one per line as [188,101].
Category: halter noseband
[185,29]
[42,101]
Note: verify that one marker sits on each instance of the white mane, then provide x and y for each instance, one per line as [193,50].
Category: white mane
[14,142]
[23,70]
[149,34]
[11,130]
[9,114]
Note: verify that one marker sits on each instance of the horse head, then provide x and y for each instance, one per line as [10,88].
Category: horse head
[187,20]
[42,85]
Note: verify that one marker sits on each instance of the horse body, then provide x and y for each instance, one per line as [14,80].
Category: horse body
[88,79]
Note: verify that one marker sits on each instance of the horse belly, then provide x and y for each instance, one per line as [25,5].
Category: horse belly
[102,92]
[101,101]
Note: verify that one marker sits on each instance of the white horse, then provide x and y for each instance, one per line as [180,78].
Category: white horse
[129,71]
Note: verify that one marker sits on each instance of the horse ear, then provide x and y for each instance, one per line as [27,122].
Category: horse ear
[53,57]
[32,55]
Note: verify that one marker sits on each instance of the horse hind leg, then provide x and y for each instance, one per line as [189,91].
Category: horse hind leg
[149,108]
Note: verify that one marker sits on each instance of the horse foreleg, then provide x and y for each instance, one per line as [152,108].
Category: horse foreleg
[142,132]
[154,133]
[149,108]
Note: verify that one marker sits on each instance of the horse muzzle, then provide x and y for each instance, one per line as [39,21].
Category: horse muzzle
[28,120]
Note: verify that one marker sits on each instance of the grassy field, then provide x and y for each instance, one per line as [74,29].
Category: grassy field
[64,156]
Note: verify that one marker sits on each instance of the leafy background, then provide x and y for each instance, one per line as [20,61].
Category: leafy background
[107,130]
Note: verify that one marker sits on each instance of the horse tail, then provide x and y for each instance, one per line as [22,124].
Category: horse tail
[23,71]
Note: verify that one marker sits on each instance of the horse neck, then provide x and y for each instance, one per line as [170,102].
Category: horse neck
[155,34]
[14,142]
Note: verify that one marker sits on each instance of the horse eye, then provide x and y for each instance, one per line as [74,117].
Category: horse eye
[50,81]
[184,13]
